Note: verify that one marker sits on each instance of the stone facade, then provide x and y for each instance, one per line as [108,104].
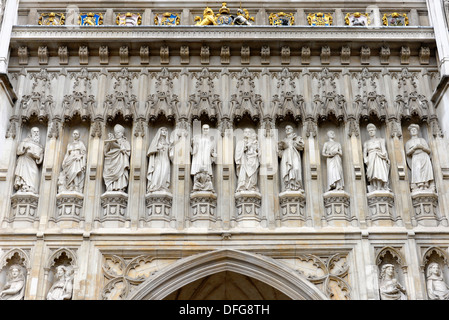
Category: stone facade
[109,200]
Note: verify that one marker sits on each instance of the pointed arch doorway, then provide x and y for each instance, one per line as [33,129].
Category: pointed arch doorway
[227,274]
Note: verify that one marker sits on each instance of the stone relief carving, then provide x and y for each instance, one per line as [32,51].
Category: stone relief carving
[289,152]
[437,288]
[389,286]
[375,156]
[247,160]
[62,288]
[160,152]
[117,151]
[14,288]
[31,154]
[332,151]
[418,159]
[203,152]
[73,171]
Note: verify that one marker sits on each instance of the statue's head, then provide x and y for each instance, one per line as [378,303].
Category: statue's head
[413,129]
[35,134]
[119,130]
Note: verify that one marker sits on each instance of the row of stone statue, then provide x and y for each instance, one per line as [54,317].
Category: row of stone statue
[389,286]
[117,151]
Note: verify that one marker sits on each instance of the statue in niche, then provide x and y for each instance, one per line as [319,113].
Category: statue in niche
[247,160]
[332,151]
[15,287]
[31,154]
[418,159]
[203,155]
[117,151]
[390,288]
[376,159]
[288,151]
[437,289]
[159,153]
[73,171]
[63,286]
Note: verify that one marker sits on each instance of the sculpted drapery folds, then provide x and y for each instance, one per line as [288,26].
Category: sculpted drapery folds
[418,159]
[290,166]
[15,287]
[437,289]
[31,154]
[73,171]
[63,286]
[117,151]
[159,154]
[203,152]
[333,152]
[247,161]
[390,288]
[376,159]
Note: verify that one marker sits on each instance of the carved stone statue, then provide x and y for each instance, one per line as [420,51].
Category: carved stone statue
[117,151]
[376,159]
[15,287]
[63,286]
[290,167]
[31,154]
[73,171]
[418,159]
[247,161]
[333,152]
[390,288]
[203,155]
[159,162]
[437,289]
[242,18]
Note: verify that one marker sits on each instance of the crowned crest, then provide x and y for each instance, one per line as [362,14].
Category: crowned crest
[128,19]
[395,19]
[281,19]
[319,19]
[90,19]
[52,19]
[167,19]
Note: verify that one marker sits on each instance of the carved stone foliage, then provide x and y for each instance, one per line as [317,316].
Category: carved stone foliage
[122,274]
[163,102]
[39,102]
[122,101]
[330,273]
[288,102]
[327,101]
[205,101]
[245,101]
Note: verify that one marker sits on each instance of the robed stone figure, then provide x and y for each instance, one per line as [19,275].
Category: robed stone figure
[247,161]
[290,166]
[117,151]
[159,154]
[203,152]
[332,151]
[31,154]
[73,171]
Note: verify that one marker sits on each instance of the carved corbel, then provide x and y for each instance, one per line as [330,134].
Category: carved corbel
[123,52]
[204,54]
[42,55]
[305,55]
[424,55]
[144,55]
[83,54]
[265,55]
[103,52]
[245,54]
[385,55]
[63,54]
[365,53]
[225,54]
[325,55]
[285,55]
[405,55]
[345,55]
[165,54]
[185,54]
[23,55]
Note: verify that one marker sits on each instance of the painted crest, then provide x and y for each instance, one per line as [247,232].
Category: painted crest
[167,19]
[319,19]
[395,19]
[358,19]
[52,19]
[281,19]
[128,19]
[90,19]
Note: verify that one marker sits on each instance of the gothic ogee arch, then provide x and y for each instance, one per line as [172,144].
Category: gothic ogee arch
[195,267]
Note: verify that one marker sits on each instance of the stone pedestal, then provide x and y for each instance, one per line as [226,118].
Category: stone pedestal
[248,208]
[114,205]
[336,207]
[69,207]
[381,209]
[293,212]
[425,207]
[158,209]
[24,209]
[203,209]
